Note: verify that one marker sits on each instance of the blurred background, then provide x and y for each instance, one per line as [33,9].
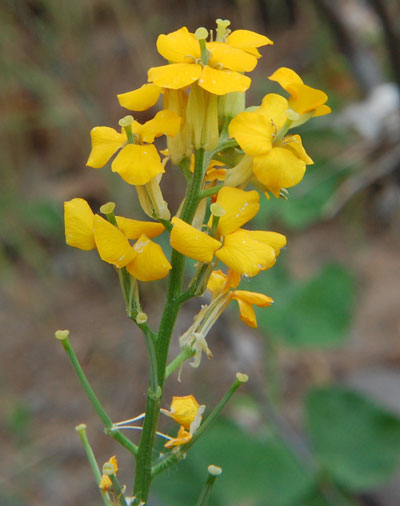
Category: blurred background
[318,424]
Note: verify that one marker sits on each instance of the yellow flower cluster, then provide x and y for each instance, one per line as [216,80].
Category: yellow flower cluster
[222,147]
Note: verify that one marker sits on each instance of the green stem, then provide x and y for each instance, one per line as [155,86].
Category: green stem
[170,313]
[184,355]
[124,441]
[172,458]
[81,430]
[206,491]
[118,490]
[146,445]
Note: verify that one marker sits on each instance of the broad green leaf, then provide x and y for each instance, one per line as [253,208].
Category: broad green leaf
[316,313]
[254,471]
[355,441]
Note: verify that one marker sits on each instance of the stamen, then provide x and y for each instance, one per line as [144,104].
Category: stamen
[139,417]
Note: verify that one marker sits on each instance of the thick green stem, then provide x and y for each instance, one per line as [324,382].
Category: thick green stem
[146,445]
[171,309]
[124,441]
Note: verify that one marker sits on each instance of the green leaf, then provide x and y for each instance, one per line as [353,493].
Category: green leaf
[316,313]
[355,441]
[254,471]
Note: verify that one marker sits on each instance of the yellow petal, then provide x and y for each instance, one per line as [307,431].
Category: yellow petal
[150,263]
[244,255]
[293,142]
[137,164]
[221,82]
[164,122]
[274,108]
[184,410]
[230,57]
[279,168]
[285,77]
[112,245]
[78,218]
[182,438]
[273,239]
[321,110]
[240,207]
[217,283]
[133,229]
[305,99]
[248,41]
[105,142]
[175,76]
[141,99]
[179,46]
[253,132]
[191,242]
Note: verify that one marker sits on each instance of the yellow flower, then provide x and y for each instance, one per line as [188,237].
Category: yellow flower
[244,251]
[303,99]
[145,260]
[221,74]
[187,412]
[277,163]
[139,162]
[105,483]
[184,410]
[220,284]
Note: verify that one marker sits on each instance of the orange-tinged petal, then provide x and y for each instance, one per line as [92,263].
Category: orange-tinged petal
[191,242]
[105,142]
[179,46]
[240,207]
[133,229]
[293,142]
[230,57]
[217,283]
[248,41]
[113,460]
[164,122]
[247,314]
[273,239]
[253,132]
[175,76]
[258,299]
[137,164]
[112,245]
[78,218]
[245,255]
[150,263]
[184,410]
[182,438]
[285,77]
[141,99]
[280,168]
[274,108]
[105,483]
[221,82]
